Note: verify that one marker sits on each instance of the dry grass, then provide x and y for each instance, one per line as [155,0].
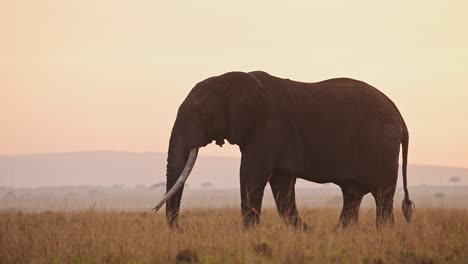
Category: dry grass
[435,236]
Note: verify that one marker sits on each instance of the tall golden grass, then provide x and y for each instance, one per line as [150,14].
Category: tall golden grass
[217,236]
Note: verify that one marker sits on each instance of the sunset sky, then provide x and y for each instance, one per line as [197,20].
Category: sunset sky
[110,75]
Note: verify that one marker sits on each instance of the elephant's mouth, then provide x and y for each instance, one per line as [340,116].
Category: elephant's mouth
[220,142]
[213,135]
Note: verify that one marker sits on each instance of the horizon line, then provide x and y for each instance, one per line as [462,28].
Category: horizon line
[160,152]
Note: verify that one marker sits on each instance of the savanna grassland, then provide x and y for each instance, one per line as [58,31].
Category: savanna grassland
[216,236]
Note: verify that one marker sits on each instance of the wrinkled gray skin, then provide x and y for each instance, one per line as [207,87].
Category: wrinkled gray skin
[342,131]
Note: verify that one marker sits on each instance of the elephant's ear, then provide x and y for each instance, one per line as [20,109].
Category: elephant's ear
[245,104]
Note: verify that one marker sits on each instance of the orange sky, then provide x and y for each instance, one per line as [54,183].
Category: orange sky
[109,75]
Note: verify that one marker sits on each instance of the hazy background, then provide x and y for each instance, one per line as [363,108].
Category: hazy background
[135,181]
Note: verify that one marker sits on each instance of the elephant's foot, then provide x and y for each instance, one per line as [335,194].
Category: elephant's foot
[386,220]
[177,229]
[297,223]
[249,226]
[305,227]
[346,224]
[348,220]
[250,220]
[174,226]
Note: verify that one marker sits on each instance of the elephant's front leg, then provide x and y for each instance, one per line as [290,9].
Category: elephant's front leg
[253,180]
[282,186]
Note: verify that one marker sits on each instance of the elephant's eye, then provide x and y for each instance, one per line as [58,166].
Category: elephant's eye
[204,116]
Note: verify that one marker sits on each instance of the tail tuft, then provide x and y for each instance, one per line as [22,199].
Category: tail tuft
[407,204]
[408,207]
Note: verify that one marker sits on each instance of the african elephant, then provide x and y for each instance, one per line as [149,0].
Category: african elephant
[341,131]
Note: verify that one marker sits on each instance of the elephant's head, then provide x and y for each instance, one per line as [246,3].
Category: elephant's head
[218,108]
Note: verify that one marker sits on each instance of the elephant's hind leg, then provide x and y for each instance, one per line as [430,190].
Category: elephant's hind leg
[384,205]
[282,185]
[352,198]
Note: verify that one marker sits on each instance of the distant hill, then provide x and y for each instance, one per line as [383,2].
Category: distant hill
[123,168]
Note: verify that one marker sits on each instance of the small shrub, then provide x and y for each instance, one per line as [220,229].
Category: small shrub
[186,256]
[263,249]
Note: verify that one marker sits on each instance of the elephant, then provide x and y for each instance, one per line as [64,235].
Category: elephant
[340,131]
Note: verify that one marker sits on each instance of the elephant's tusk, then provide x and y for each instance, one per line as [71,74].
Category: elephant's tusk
[182,178]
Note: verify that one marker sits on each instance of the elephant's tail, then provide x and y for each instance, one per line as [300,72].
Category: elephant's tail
[407,205]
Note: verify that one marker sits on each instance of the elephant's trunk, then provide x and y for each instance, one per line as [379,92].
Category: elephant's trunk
[180,162]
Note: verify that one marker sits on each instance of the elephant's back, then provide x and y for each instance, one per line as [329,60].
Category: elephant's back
[345,125]
[345,100]
[340,104]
